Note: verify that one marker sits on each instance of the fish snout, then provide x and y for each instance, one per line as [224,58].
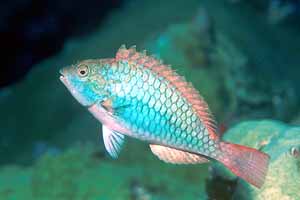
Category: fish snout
[62,71]
[63,74]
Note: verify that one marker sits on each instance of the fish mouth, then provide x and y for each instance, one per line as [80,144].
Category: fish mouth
[64,79]
[62,76]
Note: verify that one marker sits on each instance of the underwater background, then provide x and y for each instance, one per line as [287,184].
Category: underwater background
[243,56]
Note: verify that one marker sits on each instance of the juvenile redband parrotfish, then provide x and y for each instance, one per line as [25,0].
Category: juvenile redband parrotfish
[137,95]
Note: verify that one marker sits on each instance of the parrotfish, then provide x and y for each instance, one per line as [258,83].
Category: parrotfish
[137,95]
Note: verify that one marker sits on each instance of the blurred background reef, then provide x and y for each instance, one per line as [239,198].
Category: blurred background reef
[242,55]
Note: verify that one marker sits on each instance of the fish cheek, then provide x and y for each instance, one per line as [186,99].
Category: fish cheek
[95,91]
[91,95]
[82,91]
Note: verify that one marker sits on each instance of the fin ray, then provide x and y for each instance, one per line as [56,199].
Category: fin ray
[113,141]
[176,156]
[245,162]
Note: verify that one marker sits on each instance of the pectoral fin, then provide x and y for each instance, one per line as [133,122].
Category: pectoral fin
[176,156]
[113,108]
[113,141]
[107,105]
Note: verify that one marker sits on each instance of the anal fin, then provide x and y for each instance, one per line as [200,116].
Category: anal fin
[176,156]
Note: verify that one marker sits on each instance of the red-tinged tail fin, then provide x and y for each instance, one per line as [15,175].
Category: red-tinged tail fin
[245,162]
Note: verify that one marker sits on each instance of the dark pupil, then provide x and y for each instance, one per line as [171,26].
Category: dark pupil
[82,72]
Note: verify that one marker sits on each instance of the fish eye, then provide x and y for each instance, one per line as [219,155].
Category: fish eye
[295,152]
[82,70]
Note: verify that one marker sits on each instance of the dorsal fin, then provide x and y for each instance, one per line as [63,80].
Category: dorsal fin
[186,89]
[176,156]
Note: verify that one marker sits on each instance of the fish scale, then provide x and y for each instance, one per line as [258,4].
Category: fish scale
[157,110]
[137,95]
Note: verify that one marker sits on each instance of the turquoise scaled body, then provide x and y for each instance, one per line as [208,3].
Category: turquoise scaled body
[154,110]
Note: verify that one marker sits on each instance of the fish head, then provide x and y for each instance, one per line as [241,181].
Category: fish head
[85,81]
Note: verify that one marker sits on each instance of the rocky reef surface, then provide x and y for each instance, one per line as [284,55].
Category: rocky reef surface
[84,172]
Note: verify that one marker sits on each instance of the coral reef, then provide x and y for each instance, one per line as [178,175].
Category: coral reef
[197,53]
[280,10]
[277,11]
[83,173]
[282,143]
[223,72]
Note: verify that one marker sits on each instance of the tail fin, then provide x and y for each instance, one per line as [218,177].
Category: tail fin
[245,162]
